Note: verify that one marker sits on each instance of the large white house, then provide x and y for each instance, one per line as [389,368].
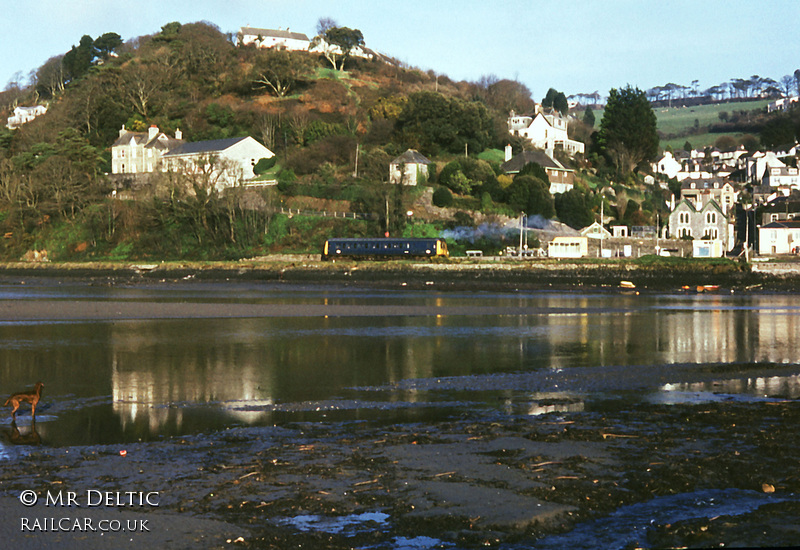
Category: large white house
[228,162]
[544,131]
[25,114]
[271,38]
[141,152]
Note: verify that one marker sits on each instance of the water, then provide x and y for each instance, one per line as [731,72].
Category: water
[160,360]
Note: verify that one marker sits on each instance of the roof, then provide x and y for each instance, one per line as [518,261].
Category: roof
[517,163]
[708,204]
[703,183]
[211,146]
[274,33]
[161,141]
[787,224]
[411,157]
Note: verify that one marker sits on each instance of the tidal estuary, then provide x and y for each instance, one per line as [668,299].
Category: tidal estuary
[389,417]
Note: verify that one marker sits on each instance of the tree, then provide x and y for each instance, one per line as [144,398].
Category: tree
[532,196]
[573,209]
[588,117]
[627,134]
[337,43]
[280,70]
[79,59]
[106,44]
[431,122]
[556,100]
[509,95]
[778,131]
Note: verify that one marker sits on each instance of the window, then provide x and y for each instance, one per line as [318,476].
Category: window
[711,217]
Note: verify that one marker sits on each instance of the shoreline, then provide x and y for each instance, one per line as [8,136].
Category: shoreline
[461,274]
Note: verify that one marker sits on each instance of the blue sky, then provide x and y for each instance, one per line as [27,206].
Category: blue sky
[577,46]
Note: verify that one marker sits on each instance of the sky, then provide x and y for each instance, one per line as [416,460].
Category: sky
[576,46]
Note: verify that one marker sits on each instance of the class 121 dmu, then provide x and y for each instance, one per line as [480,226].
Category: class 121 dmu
[383,248]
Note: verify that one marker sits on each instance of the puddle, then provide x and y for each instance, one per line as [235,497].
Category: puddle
[418,543]
[348,525]
[629,525]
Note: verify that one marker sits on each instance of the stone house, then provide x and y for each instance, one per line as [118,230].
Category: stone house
[707,222]
[701,191]
[410,168]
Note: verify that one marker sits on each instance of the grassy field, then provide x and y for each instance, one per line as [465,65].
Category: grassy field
[675,120]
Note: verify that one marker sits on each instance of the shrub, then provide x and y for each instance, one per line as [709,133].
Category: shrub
[264,165]
[442,197]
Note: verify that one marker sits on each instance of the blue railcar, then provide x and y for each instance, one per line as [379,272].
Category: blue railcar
[384,248]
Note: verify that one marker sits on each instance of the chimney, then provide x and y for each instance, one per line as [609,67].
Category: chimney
[508,152]
[123,131]
[152,133]
[178,134]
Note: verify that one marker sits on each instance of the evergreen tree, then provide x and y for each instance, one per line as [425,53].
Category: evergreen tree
[627,135]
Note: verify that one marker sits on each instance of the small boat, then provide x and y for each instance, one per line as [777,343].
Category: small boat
[707,288]
[626,284]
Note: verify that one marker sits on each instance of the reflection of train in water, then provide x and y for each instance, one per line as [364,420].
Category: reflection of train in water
[383,248]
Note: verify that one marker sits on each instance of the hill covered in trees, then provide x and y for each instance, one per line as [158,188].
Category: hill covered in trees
[334,122]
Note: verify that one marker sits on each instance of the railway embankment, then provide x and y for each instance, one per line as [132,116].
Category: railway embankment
[465,273]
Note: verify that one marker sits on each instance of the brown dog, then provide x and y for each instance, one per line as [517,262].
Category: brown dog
[31,397]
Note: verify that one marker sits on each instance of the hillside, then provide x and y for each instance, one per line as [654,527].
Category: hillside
[55,192]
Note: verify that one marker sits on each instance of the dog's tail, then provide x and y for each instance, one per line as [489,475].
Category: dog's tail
[7,400]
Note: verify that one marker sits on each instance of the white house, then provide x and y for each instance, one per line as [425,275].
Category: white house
[141,152]
[779,238]
[757,164]
[229,161]
[271,38]
[781,104]
[781,176]
[25,114]
[410,168]
[667,165]
[568,247]
[546,132]
[596,231]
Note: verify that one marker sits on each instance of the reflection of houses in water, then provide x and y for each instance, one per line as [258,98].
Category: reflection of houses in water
[546,406]
[156,373]
[765,386]
[588,331]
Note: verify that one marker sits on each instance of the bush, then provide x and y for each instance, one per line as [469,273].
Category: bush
[264,165]
[442,197]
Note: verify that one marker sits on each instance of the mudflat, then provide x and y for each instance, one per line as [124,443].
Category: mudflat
[639,475]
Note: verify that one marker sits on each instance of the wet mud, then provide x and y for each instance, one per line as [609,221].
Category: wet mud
[621,475]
